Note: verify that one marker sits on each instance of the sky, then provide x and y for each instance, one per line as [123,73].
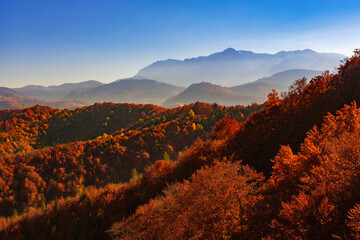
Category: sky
[49,42]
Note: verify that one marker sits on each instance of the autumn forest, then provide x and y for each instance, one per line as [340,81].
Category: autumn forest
[285,169]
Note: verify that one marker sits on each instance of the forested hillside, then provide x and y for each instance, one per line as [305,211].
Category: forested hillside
[290,170]
[105,143]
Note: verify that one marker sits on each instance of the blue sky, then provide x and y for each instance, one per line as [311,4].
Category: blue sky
[55,41]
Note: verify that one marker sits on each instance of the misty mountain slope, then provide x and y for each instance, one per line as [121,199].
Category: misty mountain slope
[10,99]
[69,86]
[129,90]
[245,94]
[55,93]
[232,67]
[279,81]
[306,59]
[289,76]
[10,105]
[209,93]
[6,91]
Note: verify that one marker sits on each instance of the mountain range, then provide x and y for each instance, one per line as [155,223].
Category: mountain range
[129,90]
[229,77]
[56,93]
[232,67]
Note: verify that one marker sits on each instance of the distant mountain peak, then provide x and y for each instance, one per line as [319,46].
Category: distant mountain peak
[134,80]
[233,67]
[202,84]
[230,50]
[296,52]
[236,52]
[227,52]
[308,50]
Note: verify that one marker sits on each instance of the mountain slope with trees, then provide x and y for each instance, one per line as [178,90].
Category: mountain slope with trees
[128,138]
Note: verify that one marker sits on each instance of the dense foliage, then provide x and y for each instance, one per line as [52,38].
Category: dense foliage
[20,129]
[35,177]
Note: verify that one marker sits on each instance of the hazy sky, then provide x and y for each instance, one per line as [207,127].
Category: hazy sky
[55,41]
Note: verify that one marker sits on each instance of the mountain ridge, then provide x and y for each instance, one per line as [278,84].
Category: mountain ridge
[244,94]
[279,81]
[209,93]
[238,70]
[55,92]
[134,90]
[233,67]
